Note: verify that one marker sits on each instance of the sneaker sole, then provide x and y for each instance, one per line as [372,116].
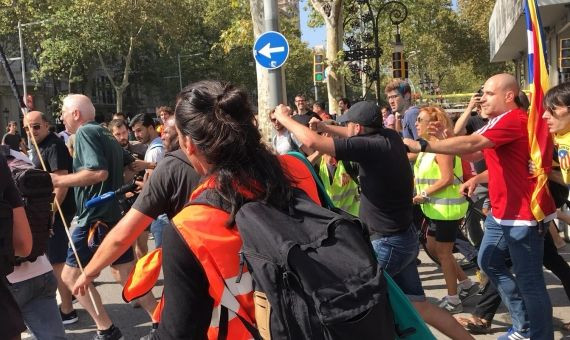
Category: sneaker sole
[70,321]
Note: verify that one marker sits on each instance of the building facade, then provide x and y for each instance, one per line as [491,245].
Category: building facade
[508,37]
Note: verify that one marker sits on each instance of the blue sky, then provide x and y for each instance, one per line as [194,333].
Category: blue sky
[317,36]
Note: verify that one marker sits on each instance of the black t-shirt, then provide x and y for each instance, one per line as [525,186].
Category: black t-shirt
[13,141]
[169,187]
[386,179]
[186,318]
[56,157]
[305,118]
[474,123]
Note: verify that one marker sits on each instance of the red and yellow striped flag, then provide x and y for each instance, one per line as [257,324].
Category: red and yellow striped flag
[540,140]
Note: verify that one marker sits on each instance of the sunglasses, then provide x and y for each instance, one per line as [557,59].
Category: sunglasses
[34,126]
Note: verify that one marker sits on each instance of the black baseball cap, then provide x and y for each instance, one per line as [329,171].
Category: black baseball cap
[365,113]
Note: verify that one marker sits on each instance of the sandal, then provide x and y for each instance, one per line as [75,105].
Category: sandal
[478,328]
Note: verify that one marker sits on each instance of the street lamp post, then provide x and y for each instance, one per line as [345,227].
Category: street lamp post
[22,59]
[397,12]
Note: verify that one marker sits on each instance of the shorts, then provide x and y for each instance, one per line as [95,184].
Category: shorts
[79,238]
[397,255]
[58,242]
[443,231]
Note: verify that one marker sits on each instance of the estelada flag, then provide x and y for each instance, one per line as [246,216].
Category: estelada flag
[540,140]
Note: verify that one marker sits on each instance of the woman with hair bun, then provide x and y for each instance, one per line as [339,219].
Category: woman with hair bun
[217,131]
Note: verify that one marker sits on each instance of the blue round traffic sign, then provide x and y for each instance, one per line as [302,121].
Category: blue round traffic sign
[271,50]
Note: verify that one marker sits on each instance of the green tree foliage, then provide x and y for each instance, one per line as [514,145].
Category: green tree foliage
[449,46]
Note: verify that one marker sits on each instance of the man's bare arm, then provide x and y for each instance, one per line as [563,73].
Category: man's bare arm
[82,178]
[453,146]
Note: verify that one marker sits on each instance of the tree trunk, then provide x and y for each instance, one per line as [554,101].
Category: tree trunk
[119,98]
[256,8]
[331,11]
[120,89]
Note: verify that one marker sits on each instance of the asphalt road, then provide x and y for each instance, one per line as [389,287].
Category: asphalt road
[135,323]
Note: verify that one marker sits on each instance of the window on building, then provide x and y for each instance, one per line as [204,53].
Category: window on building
[564,60]
[102,92]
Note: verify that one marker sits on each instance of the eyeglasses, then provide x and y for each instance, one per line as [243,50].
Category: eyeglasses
[394,96]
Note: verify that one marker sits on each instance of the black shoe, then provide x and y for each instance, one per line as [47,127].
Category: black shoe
[475,328]
[112,333]
[68,318]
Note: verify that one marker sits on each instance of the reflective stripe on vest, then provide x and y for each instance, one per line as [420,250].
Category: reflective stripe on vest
[448,203]
[343,197]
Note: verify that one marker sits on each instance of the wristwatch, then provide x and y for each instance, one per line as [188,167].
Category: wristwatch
[423,144]
[424,195]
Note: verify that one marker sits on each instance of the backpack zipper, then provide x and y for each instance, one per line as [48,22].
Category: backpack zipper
[241,263]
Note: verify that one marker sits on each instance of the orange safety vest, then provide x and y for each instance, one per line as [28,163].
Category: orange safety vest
[216,247]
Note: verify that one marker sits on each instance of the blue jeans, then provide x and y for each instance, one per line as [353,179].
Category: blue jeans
[525,296]
[156,228]
[36,298]
[397,255]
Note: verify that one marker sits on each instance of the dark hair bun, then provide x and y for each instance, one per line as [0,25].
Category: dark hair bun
[234,102]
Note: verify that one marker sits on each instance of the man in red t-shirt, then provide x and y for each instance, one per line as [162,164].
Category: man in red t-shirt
[510,228]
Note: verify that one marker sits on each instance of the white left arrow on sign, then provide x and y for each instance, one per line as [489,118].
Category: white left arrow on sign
[267,50]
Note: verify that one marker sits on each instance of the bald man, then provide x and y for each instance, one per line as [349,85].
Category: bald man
[510,227]
[58,161]
[97,169]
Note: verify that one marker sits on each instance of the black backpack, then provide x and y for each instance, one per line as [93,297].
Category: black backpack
[36,188]
[314,271]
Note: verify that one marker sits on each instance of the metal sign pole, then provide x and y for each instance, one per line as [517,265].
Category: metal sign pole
[275,78]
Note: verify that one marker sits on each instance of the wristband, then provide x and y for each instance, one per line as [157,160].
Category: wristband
[423,144]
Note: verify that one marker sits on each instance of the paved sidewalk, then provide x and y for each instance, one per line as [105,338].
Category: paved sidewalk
[135,323]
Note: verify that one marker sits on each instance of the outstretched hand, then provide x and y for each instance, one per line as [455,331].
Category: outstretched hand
[82,284]
[437,130]
[281,112]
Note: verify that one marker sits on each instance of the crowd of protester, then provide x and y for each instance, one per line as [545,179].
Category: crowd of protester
[384,164]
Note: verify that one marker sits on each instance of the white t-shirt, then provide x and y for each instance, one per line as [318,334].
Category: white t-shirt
[282,143]
[28,270]
[155,151]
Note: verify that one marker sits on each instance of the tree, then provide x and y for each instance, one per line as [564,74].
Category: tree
[240,36]
[475,14]
[331,12]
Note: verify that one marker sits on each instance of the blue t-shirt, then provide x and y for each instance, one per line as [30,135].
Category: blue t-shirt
[410,117]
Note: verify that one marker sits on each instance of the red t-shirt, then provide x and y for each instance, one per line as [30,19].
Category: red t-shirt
[510,185]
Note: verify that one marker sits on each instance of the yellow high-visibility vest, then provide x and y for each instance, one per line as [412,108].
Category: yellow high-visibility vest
[343,197]
[447,204]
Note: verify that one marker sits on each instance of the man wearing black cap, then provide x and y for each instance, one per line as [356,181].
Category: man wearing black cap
[386,199]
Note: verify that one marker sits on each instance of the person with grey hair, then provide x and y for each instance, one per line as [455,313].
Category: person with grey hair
[97,169]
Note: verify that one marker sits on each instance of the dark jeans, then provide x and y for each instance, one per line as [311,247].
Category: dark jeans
[490,300]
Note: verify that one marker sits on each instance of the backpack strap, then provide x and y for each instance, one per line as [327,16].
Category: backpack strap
[223,332]
[325,199]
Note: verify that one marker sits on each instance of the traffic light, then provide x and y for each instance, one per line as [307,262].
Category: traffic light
[318,68]
[399,66]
